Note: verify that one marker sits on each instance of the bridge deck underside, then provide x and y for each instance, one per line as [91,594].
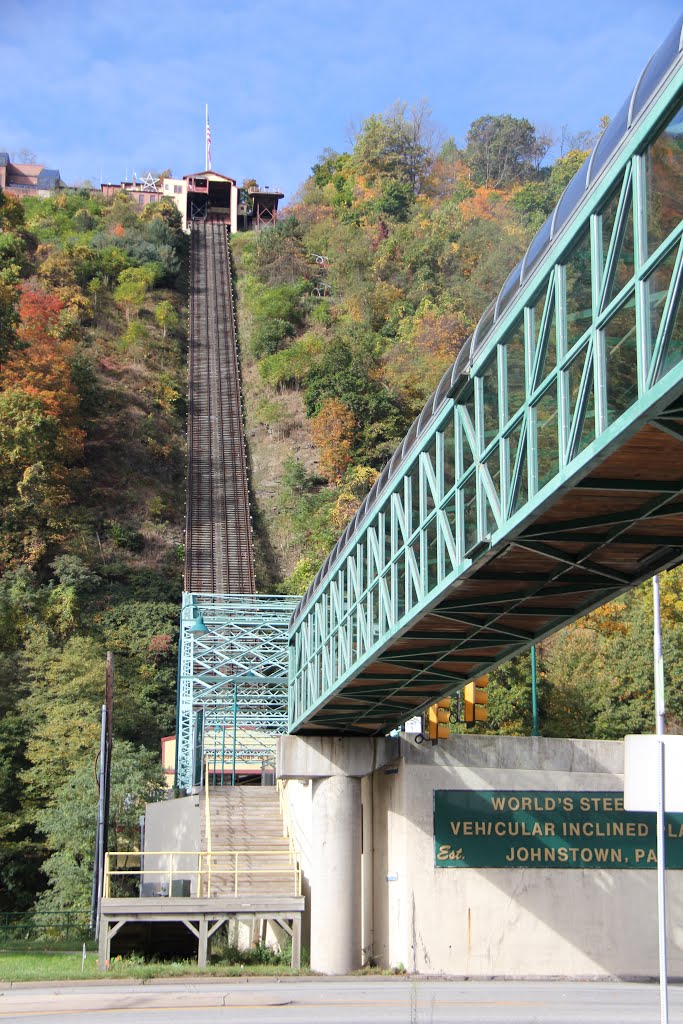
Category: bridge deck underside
[608,532]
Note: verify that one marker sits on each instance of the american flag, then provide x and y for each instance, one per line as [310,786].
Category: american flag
[208,140]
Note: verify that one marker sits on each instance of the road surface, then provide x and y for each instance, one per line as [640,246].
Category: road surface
[376,1000]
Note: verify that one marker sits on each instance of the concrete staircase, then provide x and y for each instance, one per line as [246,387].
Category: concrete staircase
[247,835]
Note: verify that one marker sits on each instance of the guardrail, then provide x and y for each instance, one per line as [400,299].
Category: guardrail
[204,868]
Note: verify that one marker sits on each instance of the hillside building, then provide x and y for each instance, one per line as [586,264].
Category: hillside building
[27,179]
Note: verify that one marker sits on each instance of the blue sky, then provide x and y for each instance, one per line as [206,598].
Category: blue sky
[101,89]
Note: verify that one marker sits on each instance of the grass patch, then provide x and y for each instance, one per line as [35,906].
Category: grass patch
[45,965]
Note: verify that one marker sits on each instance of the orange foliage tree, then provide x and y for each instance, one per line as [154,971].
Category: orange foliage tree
[332,430]
[41,441]
[426,346]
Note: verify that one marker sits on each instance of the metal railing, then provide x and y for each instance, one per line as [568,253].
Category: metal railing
[205,869]
[27,926]
[207,806]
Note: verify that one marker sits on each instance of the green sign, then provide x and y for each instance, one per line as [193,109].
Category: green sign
[547,829]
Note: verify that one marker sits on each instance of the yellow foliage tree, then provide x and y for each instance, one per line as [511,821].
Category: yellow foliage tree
[332,430]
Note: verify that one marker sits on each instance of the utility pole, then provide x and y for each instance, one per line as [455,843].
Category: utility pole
[104,787]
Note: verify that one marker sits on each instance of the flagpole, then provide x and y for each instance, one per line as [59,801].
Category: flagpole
[206,140]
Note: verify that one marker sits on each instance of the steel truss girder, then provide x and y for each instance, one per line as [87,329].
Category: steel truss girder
[500,454]
[233,651]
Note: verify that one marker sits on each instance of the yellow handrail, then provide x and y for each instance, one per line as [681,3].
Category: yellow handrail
[288,829]
[207,821]
[279,862]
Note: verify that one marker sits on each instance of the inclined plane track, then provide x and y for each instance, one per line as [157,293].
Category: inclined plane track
[218,541]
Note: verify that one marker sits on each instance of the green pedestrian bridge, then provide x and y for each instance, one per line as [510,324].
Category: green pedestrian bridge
[544,475]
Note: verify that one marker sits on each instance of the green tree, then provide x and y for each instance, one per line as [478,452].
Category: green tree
[133,286]
[166,316]
[20,853]
[503,150]
[510,710]
[69,824]
[396,144]
[66,688]
[9,311]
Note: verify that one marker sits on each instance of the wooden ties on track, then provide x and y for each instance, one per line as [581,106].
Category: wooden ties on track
[218,555]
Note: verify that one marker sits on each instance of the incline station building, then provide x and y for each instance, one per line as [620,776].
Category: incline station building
[207,195]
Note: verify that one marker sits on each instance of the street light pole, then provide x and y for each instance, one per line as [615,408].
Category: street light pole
[534,693]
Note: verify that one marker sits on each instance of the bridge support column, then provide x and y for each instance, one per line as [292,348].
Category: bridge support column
[336,864]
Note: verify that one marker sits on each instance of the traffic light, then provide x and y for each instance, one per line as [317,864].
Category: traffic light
[476,698]
[438,720]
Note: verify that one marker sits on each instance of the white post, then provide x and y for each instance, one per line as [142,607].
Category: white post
[660,721]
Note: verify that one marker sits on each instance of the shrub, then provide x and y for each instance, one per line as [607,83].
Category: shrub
[126,537]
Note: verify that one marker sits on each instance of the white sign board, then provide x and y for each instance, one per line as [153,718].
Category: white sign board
[414,725]
[641,773]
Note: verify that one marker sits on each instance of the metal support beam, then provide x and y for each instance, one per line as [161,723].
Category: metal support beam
[232,644]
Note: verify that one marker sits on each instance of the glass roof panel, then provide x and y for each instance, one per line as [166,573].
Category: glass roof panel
[482,329]
[539,244]
[659,64]
[509,289]
[425,415]
[571,197]
[410,437]
[441,392]
[609,140]
[461,361]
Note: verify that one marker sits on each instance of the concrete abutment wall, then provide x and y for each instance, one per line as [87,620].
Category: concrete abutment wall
[365,815]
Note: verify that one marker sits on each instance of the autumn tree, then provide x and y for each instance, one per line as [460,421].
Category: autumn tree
[332,430]
[41,440]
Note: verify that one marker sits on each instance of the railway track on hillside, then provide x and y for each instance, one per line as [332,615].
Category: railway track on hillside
[218,538]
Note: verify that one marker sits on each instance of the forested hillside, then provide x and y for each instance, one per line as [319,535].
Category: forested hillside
[351,309]
[92,421]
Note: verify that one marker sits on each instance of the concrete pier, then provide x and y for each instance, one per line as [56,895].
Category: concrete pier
[336,855]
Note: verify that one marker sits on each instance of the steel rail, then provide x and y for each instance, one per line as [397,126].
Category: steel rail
[219,551]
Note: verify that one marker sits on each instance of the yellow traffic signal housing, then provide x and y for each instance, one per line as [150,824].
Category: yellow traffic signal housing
[476,698]
[438,719]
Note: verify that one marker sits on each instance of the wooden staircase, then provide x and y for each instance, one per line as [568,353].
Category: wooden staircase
[249,853]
